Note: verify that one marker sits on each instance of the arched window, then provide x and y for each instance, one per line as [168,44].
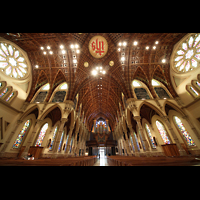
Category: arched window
[150,136]
[188,54]
[184,132]
[60,93]
[41,95]
[162,132]
[41,135]
[4,92]
[192,91]
[159,89]
[53,138]
[21,135]
[140,90]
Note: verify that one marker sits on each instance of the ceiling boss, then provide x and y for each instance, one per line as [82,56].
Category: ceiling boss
[98,46]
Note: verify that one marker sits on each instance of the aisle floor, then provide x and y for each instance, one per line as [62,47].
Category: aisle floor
[101,162]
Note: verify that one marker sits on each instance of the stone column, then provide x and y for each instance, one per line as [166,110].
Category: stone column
[75,139]
[126,141]
[69,139]
[181,150]
[10,137]
[29,143]
[78,143]
[58,135]
[134,140]
[137,118]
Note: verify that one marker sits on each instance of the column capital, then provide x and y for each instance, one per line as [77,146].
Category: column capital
[131,104]
[137,118]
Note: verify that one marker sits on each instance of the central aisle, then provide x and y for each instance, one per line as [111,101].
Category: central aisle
[101,162]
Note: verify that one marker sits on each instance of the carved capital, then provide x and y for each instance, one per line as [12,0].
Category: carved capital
[137,118]
[131,104]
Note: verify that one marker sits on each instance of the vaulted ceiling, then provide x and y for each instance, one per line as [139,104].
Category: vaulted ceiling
[140,63]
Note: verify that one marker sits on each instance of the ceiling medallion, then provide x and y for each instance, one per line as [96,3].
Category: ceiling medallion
[111,63]
[86,64]
[98,46]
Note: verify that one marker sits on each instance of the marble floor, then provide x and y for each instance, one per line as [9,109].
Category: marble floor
[101,162]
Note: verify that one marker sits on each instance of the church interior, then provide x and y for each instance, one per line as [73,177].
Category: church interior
[99,99]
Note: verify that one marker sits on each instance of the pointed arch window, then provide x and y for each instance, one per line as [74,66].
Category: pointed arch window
[150,136]
[184,132]
[60,93]
[21,135]
[159,89]
[53,138]
[41,96]
[4,92]
[41,135]
[140,90]
[162,132]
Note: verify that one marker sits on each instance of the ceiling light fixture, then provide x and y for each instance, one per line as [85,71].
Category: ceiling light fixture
[94,72]
[63,51]
[61,46]
[122,58]
[147,47]
[135,43]
[124,44]
[48,47]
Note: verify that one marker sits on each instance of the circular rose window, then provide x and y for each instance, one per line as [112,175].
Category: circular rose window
[12,62]
[187,56]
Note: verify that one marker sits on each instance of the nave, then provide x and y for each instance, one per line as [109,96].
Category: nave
[66,96]
[105,161]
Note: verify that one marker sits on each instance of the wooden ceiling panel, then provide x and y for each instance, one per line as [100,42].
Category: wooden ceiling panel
[140,64]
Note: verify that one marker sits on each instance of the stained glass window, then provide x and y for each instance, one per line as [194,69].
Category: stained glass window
[41,135]
[61,140]
[184,132]
[150,136]
[161,93]
[53,138]
[198,84]
[194,91]
[40,97]
[4,92]
[21,135]
[162,132]
[59,96]
[10,96]
[12,62]
[188,55]
[141,93]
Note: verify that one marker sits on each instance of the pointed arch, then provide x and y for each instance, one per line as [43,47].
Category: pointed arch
[151,106]
[59,78]
[140,75]
[41,80]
